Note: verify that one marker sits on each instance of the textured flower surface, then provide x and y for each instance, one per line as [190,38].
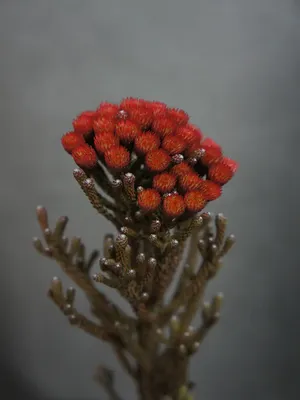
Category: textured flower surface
[169,157]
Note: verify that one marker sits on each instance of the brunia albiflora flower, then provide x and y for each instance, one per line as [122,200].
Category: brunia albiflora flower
[149,171]
[176,168]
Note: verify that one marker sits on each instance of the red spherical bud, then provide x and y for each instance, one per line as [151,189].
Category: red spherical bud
[146,142]
[190,181]
[210,190]
[117,157]
[179,116]
[164,126]
[142,116]
[173,145]
[105,141]
[107,110]
[103,124]
[127,131]
[231,163]
[85,156]
[157,160]
[189,133]
[220,173]
[181,169]
[208,142]
[83,123]
[192,149]
[194,201]
[71,140]
[164,182]
[173,205]
[158,109]
[149,200]
[211,155]
[129,103]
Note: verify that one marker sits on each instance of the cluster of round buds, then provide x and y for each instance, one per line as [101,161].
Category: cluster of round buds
[182,169]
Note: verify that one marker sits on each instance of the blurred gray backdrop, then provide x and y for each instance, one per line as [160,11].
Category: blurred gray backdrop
[234,66]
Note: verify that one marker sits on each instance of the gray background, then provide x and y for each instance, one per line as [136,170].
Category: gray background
[234,66]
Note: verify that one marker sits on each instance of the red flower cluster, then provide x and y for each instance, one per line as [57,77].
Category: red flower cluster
[185,169]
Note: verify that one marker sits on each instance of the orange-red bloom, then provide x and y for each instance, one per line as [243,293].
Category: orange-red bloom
[107,110]
[173,144]
[211,155]
[142,116]
[158,108]
[173,205]
[83,123]
[164,126]
[211,190]
[127,131]
[149,200]
[189,133]
[164,182]
[231,164]
[103,124]
[220,173]
[71,140]
[117,157]
[105,141]
[129,103]
[190,181]
[179,116]
[146,142]
[194,201]
[208,142]
[85,156]
[173,159]
[157,160]
[181,169]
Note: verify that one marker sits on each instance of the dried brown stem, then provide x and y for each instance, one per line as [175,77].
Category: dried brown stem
[140,262]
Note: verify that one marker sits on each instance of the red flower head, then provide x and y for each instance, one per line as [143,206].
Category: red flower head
[190,181]
[146,142]
[107,110]
[117,157]
[173,144]
[192,148]
[127,131]
[130,103]
[83,123]
[149,200]
[85,156]
[210,190]
[189,133]
[71,140]
[194,201]
[105,141]
[173,205]
[179,116]
[220,173]
[208,142]
[181,169]
[231,164]
[158,109]
[159,148]
[142,116]
[103,124]
[157,160]
[164,182]
[211,155]
[164,126]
